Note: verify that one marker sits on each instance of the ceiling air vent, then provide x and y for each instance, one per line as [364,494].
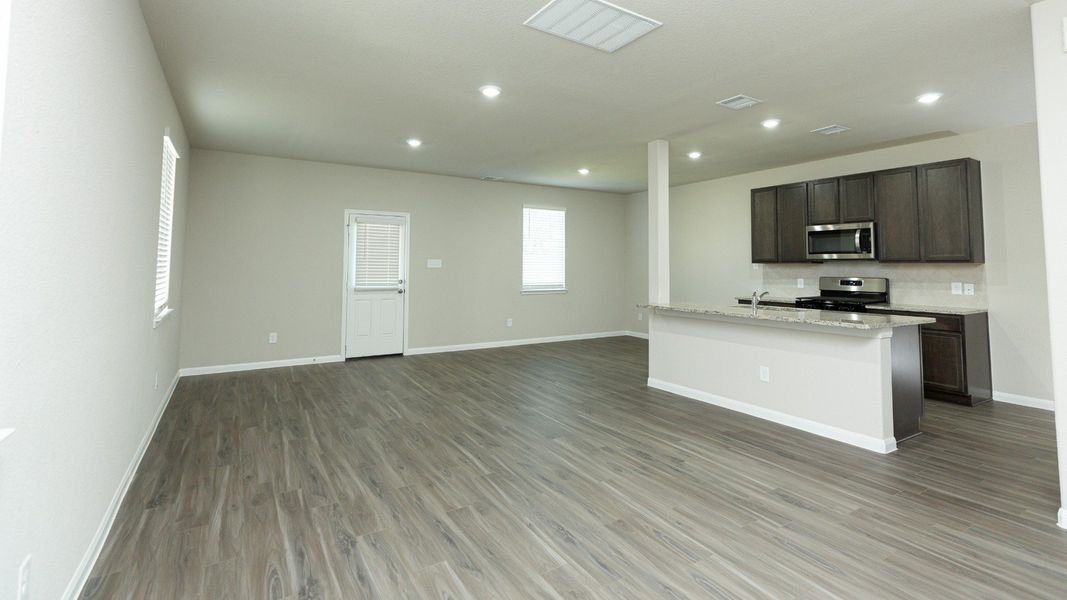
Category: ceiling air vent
[830,130]
[739,101]
[594,23]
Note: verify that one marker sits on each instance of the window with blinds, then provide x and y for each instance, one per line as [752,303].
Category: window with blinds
[376,255]
[166,225]
[544,250]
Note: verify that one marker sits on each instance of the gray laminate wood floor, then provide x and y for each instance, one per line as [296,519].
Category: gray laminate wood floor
[552,471]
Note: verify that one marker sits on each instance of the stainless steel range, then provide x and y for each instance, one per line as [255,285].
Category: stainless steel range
[847,294]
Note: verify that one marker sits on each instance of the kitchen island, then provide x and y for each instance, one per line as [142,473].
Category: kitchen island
[852,377]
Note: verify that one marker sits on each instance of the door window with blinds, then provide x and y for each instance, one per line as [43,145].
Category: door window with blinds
[544,250]
[377,248]
[166,225]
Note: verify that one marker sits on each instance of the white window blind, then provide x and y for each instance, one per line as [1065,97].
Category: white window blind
[376,255]
[166,224]
[544,249]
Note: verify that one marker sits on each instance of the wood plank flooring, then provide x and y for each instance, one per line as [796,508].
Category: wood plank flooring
[551,471]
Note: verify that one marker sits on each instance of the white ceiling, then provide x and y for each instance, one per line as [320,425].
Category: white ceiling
[349,81]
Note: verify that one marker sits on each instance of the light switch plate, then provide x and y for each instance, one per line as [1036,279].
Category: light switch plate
[968,289]
[765,374]
[509,323]
[800,282]
[957,288]
[433,263]
[755,266]
[640,316]
[272,338]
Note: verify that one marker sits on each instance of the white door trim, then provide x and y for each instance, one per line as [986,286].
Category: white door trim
[349,213]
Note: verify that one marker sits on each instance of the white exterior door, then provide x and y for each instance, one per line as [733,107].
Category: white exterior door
[376,285]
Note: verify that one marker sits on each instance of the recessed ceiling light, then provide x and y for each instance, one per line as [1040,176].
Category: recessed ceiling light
[490,91]
[929,98]
[772,123]
[414,142]
[695,154]
[583,171]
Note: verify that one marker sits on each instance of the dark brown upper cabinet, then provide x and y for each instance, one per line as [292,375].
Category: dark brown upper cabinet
[765,225]
[950,211]
[793,222]
[896,197]
[841,200]
[924,213]
[824,202]
[857,198]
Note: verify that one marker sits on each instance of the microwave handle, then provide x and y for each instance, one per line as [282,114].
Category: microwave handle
[858,247]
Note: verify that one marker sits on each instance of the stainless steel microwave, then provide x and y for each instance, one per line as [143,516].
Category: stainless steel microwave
[846,241]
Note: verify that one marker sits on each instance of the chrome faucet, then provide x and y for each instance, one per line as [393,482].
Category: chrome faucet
[756,297]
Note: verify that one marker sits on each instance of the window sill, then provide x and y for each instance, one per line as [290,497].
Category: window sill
[163,315]
[539,292]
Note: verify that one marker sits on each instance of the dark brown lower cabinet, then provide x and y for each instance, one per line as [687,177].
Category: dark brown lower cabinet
[956,365]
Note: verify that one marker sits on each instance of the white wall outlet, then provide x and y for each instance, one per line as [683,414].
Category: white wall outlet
[434,263]
[272,338]
[24,579]
[765,374]
[640,316]
[800,282]
[155,385]
[509,322]
[957,288]
[755,266]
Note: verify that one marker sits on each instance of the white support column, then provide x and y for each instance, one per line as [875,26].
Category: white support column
[659,234]
[1049,20]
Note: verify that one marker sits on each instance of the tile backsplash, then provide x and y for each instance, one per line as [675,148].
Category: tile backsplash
[908,284]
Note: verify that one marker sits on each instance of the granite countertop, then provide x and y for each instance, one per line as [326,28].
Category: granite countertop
[891,307]
[820,318]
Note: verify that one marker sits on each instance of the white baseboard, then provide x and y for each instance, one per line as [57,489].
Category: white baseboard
[522,342]
[93,553]
[267,364]
[637,334]
[1023,400]
[1061,517]
[827,431]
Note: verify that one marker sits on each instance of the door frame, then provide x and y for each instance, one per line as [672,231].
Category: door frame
[406,263]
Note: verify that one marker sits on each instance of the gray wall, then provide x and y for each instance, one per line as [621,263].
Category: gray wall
[82,147]
[710,238]
[266,248]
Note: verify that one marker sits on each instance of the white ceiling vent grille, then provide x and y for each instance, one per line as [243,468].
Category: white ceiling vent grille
[830,130]
[594,23]
[739,101]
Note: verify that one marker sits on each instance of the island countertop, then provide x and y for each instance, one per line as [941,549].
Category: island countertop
[809,317]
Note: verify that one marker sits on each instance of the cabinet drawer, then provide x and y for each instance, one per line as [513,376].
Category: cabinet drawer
[945,323]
